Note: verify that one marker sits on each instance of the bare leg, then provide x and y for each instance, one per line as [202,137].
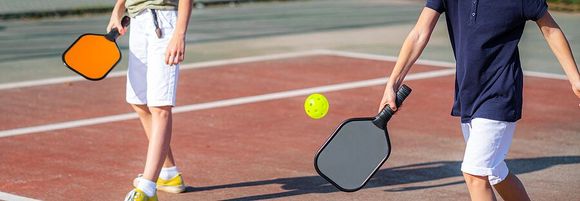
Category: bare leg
[512,189]
[479,188]
[161,120]
[145,117]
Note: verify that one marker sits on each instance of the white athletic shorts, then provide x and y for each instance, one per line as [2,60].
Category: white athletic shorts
[150,81]
[488,142]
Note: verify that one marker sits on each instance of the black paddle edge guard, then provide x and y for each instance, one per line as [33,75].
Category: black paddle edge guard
[88,78]
[114,33]
[385,115]
[348,190]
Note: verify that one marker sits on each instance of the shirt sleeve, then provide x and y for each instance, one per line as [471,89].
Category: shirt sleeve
[534,9]
[437,5]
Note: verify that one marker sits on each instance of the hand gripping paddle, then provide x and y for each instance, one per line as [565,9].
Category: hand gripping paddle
[357,149]
[93,56]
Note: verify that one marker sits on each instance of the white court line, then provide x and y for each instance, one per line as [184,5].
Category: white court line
[384,58]
[206,64]
[428,62]
[224,103]
[14,85]
[12,197]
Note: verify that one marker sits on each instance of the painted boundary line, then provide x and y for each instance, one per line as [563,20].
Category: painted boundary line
[15,85]
[428,62]
[206,64]
[223,103]
[12,197]
[384,58]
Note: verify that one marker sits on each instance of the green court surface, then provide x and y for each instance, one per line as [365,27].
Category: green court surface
[30,49]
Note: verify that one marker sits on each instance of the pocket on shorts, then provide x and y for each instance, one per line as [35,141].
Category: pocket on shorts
[167,19]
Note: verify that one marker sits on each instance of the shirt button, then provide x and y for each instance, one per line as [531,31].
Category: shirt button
[472,14]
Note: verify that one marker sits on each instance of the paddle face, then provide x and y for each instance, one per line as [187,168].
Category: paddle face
[353,153]
[357,149]
[92,55]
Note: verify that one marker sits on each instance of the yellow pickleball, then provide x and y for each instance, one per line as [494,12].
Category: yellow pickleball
[316,106]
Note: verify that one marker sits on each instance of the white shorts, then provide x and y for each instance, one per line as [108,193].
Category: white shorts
[488,142]
[149,80]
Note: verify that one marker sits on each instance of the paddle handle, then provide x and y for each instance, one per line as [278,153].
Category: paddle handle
[383,117]
[114,33]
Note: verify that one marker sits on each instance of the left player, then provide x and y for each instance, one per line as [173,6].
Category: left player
[156,45]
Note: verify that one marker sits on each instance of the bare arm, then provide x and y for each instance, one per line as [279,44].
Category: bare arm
[116,15]
[176,47]
[560,47]
[410,52]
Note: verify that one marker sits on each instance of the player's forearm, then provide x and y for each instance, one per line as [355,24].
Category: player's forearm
[183,15]
[559,45]
[119,9]
[561,49]
[410,52]
[414,45]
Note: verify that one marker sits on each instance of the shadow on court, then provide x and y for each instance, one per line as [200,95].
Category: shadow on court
[408,174]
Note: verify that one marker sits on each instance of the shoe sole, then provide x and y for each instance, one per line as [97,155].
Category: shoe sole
[171,189]
[168,189]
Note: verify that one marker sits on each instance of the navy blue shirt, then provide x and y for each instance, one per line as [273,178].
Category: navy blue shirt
[485,35]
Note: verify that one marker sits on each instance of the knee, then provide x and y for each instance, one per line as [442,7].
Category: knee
[476,181]
[142,110]
[163,112]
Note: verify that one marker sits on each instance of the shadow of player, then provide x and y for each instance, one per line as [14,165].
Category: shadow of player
[407,174]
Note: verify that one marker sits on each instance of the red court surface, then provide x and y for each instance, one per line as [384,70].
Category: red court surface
[262,150]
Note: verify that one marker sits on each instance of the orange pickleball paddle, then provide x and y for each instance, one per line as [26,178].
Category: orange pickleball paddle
[93,56]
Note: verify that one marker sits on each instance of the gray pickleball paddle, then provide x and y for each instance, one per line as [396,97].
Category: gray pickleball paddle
[357,149]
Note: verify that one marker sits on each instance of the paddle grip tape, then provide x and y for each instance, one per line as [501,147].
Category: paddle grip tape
[383,117]
[114,33]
